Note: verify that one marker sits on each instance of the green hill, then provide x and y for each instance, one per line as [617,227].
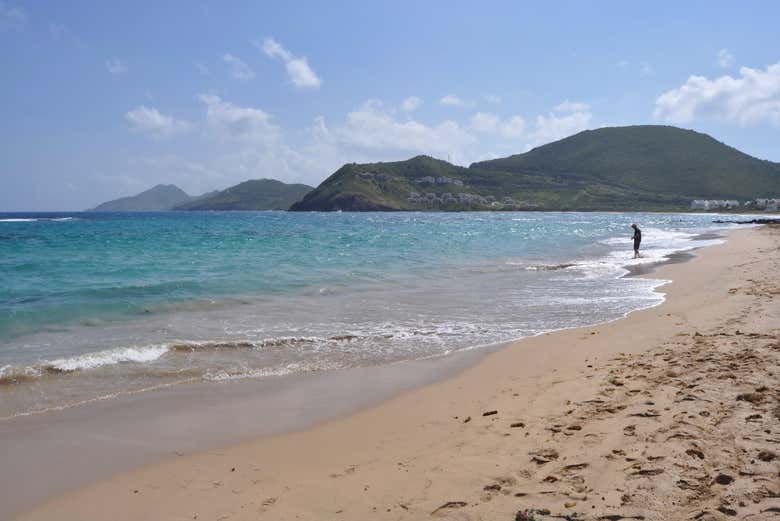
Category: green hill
[158,198]
[257,194]
[377,186]
[620,168]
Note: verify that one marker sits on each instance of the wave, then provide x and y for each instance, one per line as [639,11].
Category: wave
[142,358]
[10,375]
[222,375]
[36,219]
[547,267]
[107,357]
[657,247]
[14,375]
[242,344]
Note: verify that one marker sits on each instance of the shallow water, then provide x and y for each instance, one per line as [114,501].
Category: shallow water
[92,305]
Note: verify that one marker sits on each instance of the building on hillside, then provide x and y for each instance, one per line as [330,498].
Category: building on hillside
[714,204]
[768,205]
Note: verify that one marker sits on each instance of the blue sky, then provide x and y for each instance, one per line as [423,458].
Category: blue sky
[105,99]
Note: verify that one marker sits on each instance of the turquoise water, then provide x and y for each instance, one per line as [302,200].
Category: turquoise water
[101,303]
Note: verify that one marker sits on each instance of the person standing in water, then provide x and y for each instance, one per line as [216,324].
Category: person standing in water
[637,239]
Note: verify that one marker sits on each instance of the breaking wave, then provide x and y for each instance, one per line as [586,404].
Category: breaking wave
[36,219]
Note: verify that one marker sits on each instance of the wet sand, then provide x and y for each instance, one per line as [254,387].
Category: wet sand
[54,452]
[671,413]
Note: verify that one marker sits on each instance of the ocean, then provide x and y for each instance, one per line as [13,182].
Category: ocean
[96,305]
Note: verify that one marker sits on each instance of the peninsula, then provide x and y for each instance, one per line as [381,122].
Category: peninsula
[635,168]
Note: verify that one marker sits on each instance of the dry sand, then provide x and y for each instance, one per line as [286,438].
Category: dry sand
[671,413]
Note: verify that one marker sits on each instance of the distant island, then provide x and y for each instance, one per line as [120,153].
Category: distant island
[635,168]
[257,194]
[158,198]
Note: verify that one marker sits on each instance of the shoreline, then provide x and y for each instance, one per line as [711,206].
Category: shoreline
[135,430]
[481,359]
[47,370]
[149,409]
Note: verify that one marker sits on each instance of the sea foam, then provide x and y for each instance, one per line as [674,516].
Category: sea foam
[107,357]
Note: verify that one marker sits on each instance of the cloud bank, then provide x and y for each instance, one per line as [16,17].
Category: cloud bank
[751,98]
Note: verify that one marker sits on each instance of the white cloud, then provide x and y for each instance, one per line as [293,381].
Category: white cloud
[484,122]
[451,100]
[301,74]
[12,18]
[488,123]
[572,106]
[491,98]
[298,69]
[236,122]
[116,67]
[148,120]
[411,104]
[238,67]
[274,49]
[371,132]
[371,127]
[645,70]
[751,98]
[240,143]
[514,127]
[725,58]
[560,123]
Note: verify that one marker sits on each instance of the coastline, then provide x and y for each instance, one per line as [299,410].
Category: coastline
[124,432]
[410,424]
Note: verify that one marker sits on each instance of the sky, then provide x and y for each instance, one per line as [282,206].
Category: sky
[105,99]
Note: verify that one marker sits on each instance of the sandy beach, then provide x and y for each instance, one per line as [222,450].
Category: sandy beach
[670,413]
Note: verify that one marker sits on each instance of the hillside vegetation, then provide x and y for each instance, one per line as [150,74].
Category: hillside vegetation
[158,198]
[257,194]
[620,168]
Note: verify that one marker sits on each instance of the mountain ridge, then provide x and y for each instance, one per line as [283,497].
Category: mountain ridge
[254,194]
[641,167]
[160,197]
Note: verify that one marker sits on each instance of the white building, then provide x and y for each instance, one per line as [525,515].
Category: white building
[713,204]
